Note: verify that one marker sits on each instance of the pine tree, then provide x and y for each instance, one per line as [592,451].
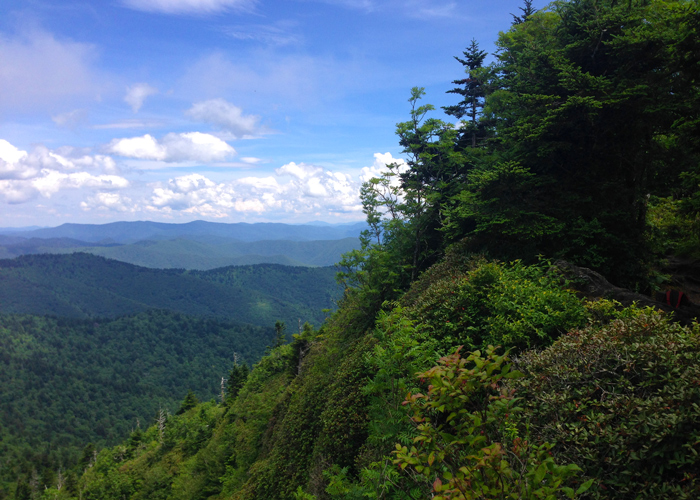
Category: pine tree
[527,11]
[472,91]
[236,380]
[189,402]
[280,328]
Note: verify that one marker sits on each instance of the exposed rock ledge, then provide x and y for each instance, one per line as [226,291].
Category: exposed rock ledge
[592,284]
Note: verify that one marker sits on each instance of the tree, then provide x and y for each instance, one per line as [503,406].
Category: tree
[586,99]
[472,91]
[527,11]
[236,379]
[280,328]
[188,403]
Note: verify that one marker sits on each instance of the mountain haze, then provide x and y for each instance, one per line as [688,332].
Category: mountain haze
[130,232]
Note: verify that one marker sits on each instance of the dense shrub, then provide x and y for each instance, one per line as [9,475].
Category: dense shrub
[621,401]
[492,303]
[471,443]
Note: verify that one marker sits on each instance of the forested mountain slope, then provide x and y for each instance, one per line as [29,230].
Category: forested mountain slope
[84,285]
[67,382]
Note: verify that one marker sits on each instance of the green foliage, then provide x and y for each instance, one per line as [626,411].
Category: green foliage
[492,303]
[188,403]
[469,443]
[237,378]
[621,402]
[589,118]
[672,230]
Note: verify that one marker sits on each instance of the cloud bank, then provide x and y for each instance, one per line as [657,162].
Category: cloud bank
[293,189]
[42,172]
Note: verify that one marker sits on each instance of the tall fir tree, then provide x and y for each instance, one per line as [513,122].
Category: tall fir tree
[472,91]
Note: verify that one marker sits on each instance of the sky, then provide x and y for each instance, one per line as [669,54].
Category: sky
[220,110]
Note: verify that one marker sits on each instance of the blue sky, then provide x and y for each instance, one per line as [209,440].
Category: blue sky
[226,110]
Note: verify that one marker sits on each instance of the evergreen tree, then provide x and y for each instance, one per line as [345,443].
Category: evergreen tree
[527,11]
[236,379]
[280,329]
[189,402]
[472,91]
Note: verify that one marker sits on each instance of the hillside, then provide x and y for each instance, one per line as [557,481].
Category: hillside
[332,414]
[84,285]
[68,382]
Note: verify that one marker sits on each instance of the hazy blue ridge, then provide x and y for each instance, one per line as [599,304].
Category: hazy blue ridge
[130,232]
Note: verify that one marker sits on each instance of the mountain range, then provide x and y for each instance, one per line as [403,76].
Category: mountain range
[196,245]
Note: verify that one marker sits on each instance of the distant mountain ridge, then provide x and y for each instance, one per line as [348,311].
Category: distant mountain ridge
[207,252]
[82,285]
[131,232]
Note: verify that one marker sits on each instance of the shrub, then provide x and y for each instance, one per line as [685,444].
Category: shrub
[512,305]
[621,401]
[470,444]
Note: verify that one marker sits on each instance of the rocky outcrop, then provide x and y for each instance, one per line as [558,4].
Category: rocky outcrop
[591,284]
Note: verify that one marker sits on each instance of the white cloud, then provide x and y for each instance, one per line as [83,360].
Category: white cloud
[38,71]
[226,116]
[9,153]
[43,172]
[108,202]
[51,182]
[189,146]
[189,6]
[137,94]
[301,171]
[296,188]
[379,167]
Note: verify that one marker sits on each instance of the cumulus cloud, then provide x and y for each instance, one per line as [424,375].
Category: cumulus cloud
[43,172]
[9,153]
[137,94]
[379,167]
[225,116]
[296,188]
[108,202]
[38,71]
[189,146]
[189,6]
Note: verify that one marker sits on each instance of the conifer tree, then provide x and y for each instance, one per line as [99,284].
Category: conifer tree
[236,379]
[189,402]
[472,91]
